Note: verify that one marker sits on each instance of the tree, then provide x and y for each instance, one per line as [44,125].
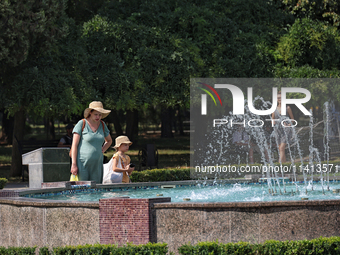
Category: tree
[310,42]
[38,77]
[323,10]
[129,75]
[310,50]
[144,53]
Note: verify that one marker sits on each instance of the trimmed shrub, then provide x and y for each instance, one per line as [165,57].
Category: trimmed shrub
[322,245]
[17,250]
[3,182]
[99,249]
[182,174]
[158,175]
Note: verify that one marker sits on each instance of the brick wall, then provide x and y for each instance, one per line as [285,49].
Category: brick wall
[123,220]
[9,193]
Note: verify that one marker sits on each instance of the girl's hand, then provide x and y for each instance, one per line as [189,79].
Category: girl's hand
[131,169]
[287,124]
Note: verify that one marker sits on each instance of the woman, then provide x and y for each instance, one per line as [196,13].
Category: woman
[282,134]
[91,138]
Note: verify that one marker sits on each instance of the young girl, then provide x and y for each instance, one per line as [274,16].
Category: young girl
[120,162]
[282,134]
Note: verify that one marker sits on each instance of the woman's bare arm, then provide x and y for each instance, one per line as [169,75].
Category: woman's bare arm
[107,144]
[75,143]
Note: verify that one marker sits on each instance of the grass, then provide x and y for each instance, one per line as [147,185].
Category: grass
[5,163]
[5,155]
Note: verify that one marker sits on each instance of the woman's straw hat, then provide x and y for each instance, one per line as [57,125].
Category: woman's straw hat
[97,106]
[122,139]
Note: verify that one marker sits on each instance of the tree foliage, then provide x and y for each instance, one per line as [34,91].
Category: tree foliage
[145,52]
[28,28]
[54,84]
[323,10]
[310,42]
[310,49]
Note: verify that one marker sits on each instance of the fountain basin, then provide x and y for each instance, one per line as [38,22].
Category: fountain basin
[198,192]
[29,221]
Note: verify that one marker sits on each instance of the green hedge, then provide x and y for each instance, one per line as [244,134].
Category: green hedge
[3,182]
[182,174]
[17,250]
[145,249]
[322,245]
[158,175]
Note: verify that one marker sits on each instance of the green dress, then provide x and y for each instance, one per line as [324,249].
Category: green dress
[90,156]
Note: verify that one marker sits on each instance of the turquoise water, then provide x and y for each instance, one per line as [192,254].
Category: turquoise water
[217,193]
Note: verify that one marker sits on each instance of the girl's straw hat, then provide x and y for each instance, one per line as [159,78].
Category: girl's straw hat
[97,106]
[122,139]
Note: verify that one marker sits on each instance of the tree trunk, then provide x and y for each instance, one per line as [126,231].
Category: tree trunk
[51,128]
[180,120]
[46,123]
[166,126]
[7,129]
[114,118]
[18,132]
[132,125]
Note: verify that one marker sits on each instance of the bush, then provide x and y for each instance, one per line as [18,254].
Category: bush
[182,174]
[217,248]
[322,245]
[3,182]
[160,175]
[17,250]
[146,249]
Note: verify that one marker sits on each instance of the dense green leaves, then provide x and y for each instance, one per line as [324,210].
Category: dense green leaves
[3,182]
[146,249]
[325,10]
[145,52]
[320,245]
[55,83]
[17,250]
[133,53]
[157,175]
[28,27]
[312,43]
[134,65]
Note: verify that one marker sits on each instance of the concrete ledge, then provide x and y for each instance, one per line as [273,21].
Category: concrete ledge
[23,201]
[248,204]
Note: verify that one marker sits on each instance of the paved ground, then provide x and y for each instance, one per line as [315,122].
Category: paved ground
[20,185]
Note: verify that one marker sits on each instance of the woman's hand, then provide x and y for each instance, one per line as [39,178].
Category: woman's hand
[74,169]
[75,143]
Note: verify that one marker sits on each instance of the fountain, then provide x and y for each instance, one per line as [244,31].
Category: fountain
[293,202]
[212,143]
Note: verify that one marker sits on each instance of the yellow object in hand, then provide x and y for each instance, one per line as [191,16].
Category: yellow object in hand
[74,178]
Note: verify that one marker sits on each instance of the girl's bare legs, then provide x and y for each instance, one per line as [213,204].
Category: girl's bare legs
[251,155]
[282,147]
